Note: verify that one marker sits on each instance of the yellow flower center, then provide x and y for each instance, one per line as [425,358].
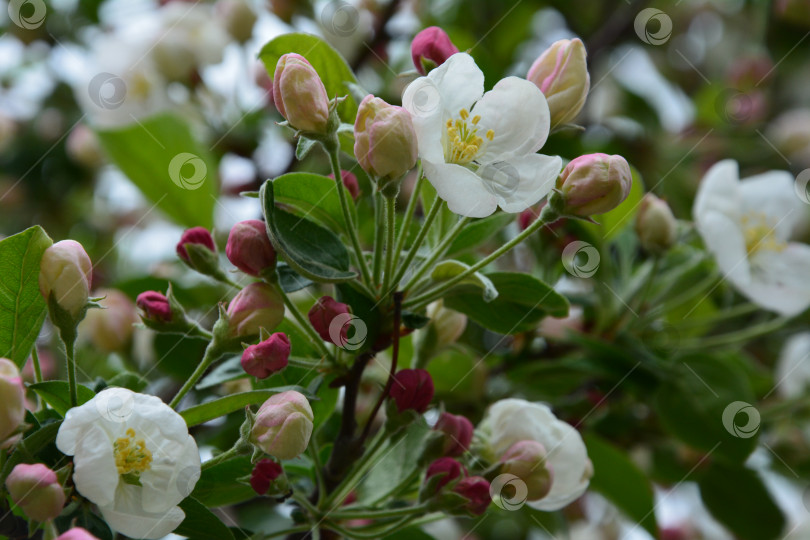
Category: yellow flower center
[131,455]
[760,234]
[463,143]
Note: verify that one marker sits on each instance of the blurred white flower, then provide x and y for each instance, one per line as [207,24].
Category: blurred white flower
[477,149]
[792,375]
[512,420]
[134,458]
[746,225]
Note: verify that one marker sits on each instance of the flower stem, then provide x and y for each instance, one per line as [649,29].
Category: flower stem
[546,216]
[224,456]
[333,151]
[735,337]
[437,252]
[35,361]
[378,514]
[390,215]
[420,237]
[409,210]
[212,354]
[71,372]
[353,478]
[379,234]
[372,533]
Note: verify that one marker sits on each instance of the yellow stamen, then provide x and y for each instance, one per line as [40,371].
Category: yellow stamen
[462,144]
[464,114]
[490,134]
[131,455]
[476,119]
[760,234]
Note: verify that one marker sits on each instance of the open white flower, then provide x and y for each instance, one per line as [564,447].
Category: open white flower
[746,225]
[134,458]
[477,149]
[792,374]
[513,420]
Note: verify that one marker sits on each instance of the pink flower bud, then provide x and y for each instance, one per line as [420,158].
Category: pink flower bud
[594,184]
[283,425]
[264,473]
[527,460]
[256,306]
[349,182]
[36,490]
[249,248]
[83,147]
[476,490]
[195,235]
[299,94]
[430,48]
[76,533]
[268,357]
[154,306]
[655,225]
[323,313]
[384,139]
[458,432]
[110,329]
[412,389]
[65,272]
[561,73]
[447,468]
[12,399]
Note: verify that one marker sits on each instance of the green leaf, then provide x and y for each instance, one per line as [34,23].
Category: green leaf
[227,370]
[478,232]
[313,196]
[450,269]
[30,446]
[57,394]
[331,67]
[22,308]
[201,523]
[621,482]
[289,279]
[218,486]
[303,147]
[129,380]
[522,301]
[691,405]
[314,252]
[160,156]
[737,497]
[209,410]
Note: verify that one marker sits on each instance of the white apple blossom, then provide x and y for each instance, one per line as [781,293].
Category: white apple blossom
[792,374]
[746,224]
[134,458]
[513,420]
[478,149]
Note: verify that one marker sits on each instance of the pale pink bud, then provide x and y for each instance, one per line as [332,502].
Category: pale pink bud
[249,248]
[12,399]
[36,489]
[527,461]
[76,533]
[384,139]
[299,94]
[561,73]
[65,272]
[237,17]
[594,184]
[655,225]
[83,147]
[256,306]
[267,357]
[283,425]
[430,48]
[556,328]
[194,235]
[110,329]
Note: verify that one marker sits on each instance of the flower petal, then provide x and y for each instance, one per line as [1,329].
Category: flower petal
[568,460]
[95,474]
[771,194]
[459,81]
[779,280]
[172,477]
[719,191]
[724,239]
[521,181]
[463,190]
[143,525]
[517,113]
[422,99]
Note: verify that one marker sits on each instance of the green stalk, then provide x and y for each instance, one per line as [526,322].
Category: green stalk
[349,482]
[379,234]
[224,456]
[71,371]
[735,337]
[378,514]
[35,360]
[438,252]
[420,237]
[409,210]
[334,159]
[546,216]
[212,354]
[390,226]
[373,533]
